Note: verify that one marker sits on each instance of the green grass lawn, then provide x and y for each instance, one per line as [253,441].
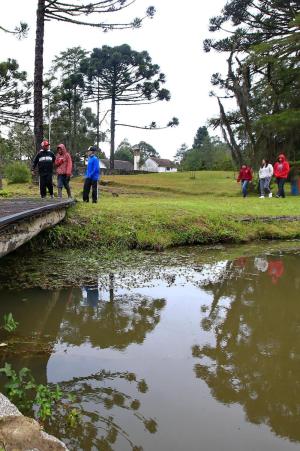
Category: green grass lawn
[162,210]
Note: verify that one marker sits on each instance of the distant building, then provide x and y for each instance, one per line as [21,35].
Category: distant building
[120,165]
[154,164]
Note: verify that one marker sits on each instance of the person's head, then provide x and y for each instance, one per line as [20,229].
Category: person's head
[281,158]
[92,150]
[244,166]
[45,145]
[264,162]
[61,149]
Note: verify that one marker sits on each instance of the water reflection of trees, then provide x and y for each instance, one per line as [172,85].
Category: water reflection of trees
[254,318]
[94,396]
[117,322]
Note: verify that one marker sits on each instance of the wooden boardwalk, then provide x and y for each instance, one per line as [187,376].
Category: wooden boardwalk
[23,218]
[14,210]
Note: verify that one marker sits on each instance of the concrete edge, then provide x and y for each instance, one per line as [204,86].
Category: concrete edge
[9,410]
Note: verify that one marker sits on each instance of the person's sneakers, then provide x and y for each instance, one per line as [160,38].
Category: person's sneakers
[270,195]
[261,197]
[277,195]
[52,197]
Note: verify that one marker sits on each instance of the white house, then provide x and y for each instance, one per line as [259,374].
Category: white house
[153,164]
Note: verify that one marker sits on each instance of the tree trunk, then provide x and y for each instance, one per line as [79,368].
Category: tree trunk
[112,132]
[74,147]
[230,139]
[38,75]
[98,114]
[1,176]
[113,121]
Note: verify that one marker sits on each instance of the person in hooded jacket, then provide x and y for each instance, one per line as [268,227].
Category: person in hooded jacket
[63,163]
[92,176]
[245,177]
[44,160]
[281,172]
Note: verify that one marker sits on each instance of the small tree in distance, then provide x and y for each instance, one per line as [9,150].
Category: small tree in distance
[201,136]
[124,151]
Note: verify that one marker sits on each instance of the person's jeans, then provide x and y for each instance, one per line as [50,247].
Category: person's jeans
[280,183]
[244,184]
[63,180]
[88,183]
[264,186]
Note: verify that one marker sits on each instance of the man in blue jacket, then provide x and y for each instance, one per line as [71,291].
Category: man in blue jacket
[92,176]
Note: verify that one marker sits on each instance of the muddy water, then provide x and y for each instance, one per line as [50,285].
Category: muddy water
[199,358]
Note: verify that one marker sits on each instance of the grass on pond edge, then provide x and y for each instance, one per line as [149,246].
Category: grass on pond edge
[158,211]
[157,228]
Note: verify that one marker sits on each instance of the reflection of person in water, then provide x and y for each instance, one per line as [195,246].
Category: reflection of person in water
[275,270]
[91,295]
[250,357]
[114,319]
[240,262]
[261,264]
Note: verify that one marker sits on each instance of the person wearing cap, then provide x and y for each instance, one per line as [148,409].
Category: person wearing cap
[92,176]
[44,160]
[63,163]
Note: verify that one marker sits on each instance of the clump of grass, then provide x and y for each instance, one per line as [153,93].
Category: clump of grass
[17,172]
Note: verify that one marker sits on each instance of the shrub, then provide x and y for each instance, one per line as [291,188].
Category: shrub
[17,172]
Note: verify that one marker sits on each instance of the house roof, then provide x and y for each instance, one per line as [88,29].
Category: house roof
[163,162]
[120,165]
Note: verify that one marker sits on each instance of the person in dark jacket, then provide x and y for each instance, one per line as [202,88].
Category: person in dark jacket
[44,160]
[92,176]
[245,177]
[281,172]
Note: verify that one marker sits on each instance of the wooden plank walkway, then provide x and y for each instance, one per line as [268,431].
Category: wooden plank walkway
[14,210]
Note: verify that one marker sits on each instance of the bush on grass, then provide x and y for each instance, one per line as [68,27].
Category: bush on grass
[17,172]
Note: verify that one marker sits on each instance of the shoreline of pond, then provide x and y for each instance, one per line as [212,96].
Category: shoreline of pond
[62,268]
[121,234]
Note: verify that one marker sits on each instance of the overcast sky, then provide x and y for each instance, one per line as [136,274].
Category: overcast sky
[173,39]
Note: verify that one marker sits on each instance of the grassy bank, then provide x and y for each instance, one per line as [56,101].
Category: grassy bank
[156,211]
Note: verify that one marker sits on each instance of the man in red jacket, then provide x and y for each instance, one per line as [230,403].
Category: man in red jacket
[281,172]
[245,177]
[63,163]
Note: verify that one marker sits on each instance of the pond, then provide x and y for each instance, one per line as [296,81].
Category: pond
[202,353]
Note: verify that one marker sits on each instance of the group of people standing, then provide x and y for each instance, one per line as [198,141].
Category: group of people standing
[46,161]
[266,171]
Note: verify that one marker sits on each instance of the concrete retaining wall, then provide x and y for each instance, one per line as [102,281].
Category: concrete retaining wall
[23,434]
[14,235]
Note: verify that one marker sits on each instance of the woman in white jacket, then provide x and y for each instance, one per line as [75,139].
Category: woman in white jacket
[265,175]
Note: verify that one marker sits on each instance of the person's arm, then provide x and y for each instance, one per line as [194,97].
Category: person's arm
[58,160]
[69,165]
[35,162]
[239,177]
[88,169]
[271,170]
[287,169]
